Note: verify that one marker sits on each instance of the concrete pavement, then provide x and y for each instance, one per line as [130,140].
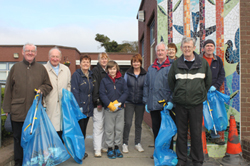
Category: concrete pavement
[133,158]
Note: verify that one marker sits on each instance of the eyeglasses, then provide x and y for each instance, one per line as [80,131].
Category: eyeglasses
[187,47]
[171,49]
[27,51]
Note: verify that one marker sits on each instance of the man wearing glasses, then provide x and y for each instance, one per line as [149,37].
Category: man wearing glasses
[23,79]
[189,79]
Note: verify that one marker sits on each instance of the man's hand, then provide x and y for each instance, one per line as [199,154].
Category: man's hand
[6,114]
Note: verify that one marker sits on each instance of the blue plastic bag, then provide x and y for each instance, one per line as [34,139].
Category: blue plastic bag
[216,100]
[72,133]
[40,141]
[162,154]
[208,121]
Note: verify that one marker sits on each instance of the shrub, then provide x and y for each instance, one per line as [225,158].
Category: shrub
[3,118]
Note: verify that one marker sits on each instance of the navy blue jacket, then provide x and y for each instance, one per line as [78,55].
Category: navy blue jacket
[156,86]
[82,89]
[135,85]
[218,72]
[110,91]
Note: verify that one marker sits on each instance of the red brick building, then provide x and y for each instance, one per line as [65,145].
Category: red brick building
[10,54]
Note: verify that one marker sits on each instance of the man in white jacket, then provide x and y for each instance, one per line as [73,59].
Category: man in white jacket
[60,77]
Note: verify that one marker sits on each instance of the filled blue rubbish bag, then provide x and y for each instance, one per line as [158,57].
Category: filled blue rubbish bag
[216,100]
[162,154]
[72,133]
[208,120]
[40,141]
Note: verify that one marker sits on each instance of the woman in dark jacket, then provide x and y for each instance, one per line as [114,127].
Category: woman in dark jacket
[98,114]
[134,77]
[82,88]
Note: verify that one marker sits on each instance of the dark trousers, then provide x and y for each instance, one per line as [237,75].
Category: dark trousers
[60,135]
[129,112]
[18,150]
[194,116]
[156,124]
[83,125]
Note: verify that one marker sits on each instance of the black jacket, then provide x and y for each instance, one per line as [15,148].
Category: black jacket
[135,85]
[218,72]
[98,75]
[189,86]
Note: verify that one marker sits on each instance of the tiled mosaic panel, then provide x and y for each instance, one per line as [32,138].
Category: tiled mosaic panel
[223,28]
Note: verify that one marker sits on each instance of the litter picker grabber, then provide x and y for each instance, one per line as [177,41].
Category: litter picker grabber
[34,118]
[210,110]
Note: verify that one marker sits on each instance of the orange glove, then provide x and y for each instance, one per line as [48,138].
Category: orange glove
[111,107]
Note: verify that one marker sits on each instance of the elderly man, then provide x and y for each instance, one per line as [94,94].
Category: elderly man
[60,77]
[218,76]
[23,79]
[189,78]
[156,87]
[98,115]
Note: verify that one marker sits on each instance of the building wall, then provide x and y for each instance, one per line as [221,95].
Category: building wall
[245,76]
[150,13]
[217,20]
[68,54]
[150,8]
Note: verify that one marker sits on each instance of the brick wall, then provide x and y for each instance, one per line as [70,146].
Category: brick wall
[150,14]
[245,76]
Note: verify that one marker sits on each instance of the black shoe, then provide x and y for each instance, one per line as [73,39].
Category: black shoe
[217,141]
[152,157]
[85,156]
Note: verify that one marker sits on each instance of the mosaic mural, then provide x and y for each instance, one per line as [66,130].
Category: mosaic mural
[207,19]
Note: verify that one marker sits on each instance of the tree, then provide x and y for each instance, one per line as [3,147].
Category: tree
[113,46]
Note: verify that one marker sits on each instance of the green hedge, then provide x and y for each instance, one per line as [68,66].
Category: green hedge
[3,118]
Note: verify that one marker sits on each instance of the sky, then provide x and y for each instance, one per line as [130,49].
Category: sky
[71,23]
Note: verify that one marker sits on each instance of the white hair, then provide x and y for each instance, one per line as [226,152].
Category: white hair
[55,48]
[29,44]
[161,43]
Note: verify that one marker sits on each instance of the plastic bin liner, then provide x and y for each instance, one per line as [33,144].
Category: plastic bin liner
[162,154]
[208,121]
[72,133]
[216,100]
[40,141]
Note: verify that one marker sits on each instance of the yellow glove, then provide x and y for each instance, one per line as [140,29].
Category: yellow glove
[111,107]
[116,102]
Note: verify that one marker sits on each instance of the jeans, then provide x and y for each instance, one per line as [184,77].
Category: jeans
[130,110]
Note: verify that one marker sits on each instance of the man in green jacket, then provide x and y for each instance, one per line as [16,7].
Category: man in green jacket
[23,79]
[189,79]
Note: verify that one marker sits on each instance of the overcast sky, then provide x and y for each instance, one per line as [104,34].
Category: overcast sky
[72,23]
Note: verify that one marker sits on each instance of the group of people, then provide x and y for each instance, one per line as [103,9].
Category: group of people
[112,100]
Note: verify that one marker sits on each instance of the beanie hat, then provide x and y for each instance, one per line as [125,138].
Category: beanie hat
[208,41]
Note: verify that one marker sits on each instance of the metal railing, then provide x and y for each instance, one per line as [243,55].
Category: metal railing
[1,114]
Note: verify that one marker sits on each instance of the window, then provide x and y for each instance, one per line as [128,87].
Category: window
[4,69]
[152,29]
[152,41]
[142,47]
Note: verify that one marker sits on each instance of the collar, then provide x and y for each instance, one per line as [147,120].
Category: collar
[187,60]
[118,75]
[27,63]
[165,64]
[131,71]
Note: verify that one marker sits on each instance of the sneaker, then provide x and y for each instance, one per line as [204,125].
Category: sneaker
[111,154]
[104,150]
[98,153]
[85,156]
[125,148]
[139,148]
[217,141]
[118,153]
